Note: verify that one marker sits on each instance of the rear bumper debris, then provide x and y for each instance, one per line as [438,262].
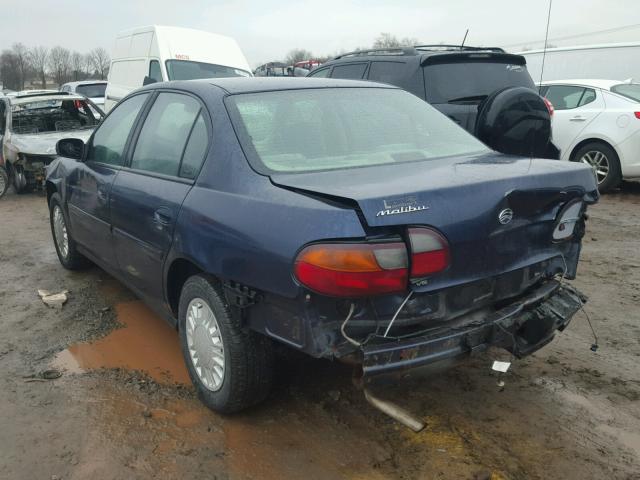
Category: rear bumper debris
[521,327]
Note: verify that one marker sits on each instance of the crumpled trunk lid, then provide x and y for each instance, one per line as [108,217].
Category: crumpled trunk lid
[464,199]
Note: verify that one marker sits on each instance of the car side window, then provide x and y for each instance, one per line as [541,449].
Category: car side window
[195,150]
[320,73]
[351,71]
[588,96]
[111,136]
[164,134]
[564,97]
[385,72]
[154,71]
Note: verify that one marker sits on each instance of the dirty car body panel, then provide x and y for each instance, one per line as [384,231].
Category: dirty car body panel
[261,201]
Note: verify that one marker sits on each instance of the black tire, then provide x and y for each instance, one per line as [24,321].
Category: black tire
[19,186]
[248,356]
[614,175]
[4,181]
[73,260]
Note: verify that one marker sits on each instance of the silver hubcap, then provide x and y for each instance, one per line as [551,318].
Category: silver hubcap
[60,231]
[204,340]
[599,162]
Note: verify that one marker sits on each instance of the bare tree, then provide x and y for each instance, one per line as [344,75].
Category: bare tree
[22,58]
[88,65]
[297,55]
[387,40]
[77,65]
[60,64]
[100,61]
[39,56]
[9,70]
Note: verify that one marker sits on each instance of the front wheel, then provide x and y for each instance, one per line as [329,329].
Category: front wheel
[230,365]
[66,247]
[605,163]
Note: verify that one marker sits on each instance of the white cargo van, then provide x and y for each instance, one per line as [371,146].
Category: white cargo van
[156,53]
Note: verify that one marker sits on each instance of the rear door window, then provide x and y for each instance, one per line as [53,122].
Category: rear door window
[566,97]
[164,134]
[195,149]
[386,72]
[472,81]
[350,71]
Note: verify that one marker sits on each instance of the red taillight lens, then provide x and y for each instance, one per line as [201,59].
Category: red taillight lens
[353,270]
[549,106]
[637,114]
[429,252]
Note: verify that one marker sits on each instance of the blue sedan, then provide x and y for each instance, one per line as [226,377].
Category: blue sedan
[348,220]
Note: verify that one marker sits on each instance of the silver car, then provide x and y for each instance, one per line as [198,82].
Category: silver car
[30,126]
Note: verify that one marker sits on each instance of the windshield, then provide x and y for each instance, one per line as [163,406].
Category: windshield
[335,128]
[187,70]
[43,116]
[629,90]
[93,90]
[473,81]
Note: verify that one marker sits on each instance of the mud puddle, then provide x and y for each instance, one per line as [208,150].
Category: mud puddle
[145,343]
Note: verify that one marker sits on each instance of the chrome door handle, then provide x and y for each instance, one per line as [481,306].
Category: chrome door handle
[577,119]
[162,216]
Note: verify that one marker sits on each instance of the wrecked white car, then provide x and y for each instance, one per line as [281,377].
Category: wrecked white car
[30,126]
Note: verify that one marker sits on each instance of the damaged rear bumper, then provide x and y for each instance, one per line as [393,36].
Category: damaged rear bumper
[521,327]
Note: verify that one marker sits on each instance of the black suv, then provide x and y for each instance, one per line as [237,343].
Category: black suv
[485,90]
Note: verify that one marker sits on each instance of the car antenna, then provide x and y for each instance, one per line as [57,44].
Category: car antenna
[544,50]
[464,39]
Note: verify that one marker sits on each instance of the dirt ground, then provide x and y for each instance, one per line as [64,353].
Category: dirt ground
[123,407]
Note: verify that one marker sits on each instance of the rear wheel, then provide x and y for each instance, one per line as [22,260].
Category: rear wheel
[66,247]
[230,365]
[4,181]
[604,161]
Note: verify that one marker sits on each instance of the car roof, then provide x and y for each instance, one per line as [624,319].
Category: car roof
[43,97]
[85,82]
[590,82]
[237,85]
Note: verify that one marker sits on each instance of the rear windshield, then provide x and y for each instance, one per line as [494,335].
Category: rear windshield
[187,70]
[473,81]
[629,90]
[92,91]
[44,116]
[335,128]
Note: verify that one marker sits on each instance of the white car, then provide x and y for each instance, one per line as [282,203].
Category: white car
[92,89]
[597,122]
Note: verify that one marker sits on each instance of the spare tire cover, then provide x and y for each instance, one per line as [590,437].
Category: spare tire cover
[515,121]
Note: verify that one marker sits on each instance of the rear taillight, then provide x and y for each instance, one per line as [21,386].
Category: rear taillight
[549,106]
[353,270]
[429,252]
[637,114]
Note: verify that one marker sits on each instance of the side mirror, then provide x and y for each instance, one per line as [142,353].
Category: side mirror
[70,148]
[148,80]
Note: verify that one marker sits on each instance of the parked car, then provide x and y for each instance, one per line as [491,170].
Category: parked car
[348,220]
[272,69]
[598,122]
[30,126]
[92,89]
[157,54]
[484,90]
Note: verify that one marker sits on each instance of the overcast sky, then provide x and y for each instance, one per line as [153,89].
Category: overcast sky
[266,30]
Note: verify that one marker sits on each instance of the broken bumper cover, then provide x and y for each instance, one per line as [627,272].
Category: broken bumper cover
[521,327]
